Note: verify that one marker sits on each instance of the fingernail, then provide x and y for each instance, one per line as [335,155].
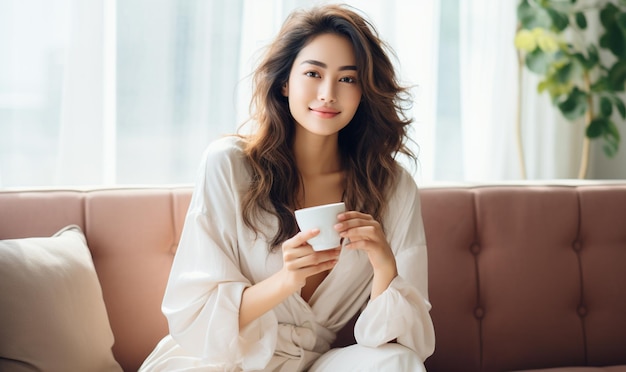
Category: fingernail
[338,226]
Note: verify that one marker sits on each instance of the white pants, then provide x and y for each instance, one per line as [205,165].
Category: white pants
[385,358]
[388,357]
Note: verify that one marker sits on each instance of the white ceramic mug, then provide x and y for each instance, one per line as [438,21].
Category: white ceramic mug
[323,217]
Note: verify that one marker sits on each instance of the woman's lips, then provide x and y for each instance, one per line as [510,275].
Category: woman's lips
[325,113]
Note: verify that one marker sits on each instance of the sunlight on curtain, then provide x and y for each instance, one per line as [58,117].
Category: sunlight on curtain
[488,89]
[32,42]
[96,92]
[79,156]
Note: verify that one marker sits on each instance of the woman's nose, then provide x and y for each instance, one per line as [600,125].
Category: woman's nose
[326,92]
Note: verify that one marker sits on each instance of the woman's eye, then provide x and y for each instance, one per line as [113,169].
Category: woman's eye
[312,74]
[348,79]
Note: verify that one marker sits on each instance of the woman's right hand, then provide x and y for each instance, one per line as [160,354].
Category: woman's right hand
[300,261]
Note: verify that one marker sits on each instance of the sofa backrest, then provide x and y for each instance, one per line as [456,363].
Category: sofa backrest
[132,234]
[526,277]
[519,276]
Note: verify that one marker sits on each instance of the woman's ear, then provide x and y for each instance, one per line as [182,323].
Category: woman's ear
[285,90]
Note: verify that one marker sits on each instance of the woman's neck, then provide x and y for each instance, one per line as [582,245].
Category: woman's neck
[316,155]
[319,163]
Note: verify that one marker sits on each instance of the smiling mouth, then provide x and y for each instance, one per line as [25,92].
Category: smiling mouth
[325,113]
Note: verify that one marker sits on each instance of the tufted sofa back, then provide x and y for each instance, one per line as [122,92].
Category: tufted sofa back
[526,277]
[520,276]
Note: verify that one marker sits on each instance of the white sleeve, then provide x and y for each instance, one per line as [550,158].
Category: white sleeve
[203,294]
[401,312]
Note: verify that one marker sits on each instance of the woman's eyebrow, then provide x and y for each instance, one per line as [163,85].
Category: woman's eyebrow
[323,65]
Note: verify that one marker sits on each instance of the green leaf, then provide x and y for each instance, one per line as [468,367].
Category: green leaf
[533,16]
[581,20]
[606,107]
[524,10]
[617,76]
[619,104]
[574,106]
[538,62]
[607,15]
[611,139]
[601,85]
[609,150]
[604,41]
[565,74]
[560,21]
[581,59]
[589,62]
[593,57]
[596,128]
[621,21]
[611,132]
[614,40]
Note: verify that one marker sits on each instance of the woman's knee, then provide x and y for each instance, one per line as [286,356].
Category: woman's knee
[399,356]
[388,357]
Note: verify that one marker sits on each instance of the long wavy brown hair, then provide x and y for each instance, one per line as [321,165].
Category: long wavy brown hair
[369,143]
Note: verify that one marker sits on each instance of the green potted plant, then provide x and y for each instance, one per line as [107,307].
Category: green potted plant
[584,74]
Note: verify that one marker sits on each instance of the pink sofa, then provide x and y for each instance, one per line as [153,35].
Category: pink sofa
[521,276]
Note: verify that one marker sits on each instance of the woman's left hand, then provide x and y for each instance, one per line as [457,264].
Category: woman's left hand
[365,233]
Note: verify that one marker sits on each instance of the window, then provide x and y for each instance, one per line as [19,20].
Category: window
[130,92]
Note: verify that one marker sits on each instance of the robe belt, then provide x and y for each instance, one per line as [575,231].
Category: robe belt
[293,341]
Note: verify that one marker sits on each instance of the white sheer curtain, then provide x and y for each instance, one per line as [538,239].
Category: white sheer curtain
[488,89]
[130,98]
[112,95]
[82,154]
[95,92]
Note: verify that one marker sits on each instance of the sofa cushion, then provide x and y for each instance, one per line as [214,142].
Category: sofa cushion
[52,314]
[580,369]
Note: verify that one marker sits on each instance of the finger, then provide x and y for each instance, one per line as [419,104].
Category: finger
[311,260]
[355,223]
[316,269]
[307,263]
[353,214]
[315,258]
[300,238]
[364,239]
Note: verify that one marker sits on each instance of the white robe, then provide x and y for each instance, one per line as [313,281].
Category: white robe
[218,257]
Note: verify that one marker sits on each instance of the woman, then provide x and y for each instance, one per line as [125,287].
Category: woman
[246,291]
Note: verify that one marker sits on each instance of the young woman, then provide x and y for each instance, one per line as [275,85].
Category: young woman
[246,291]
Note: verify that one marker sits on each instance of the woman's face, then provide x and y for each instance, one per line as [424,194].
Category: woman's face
[322,89]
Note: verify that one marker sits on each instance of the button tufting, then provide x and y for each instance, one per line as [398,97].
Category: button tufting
[475,248]
[582,311]
[577,246]
[479,312]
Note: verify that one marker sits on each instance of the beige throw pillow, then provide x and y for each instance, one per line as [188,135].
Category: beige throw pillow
[52,315]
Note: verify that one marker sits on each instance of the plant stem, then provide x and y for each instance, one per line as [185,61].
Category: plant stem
[584,161]
[518,118]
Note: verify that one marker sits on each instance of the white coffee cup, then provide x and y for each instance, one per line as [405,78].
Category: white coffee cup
[323,217]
